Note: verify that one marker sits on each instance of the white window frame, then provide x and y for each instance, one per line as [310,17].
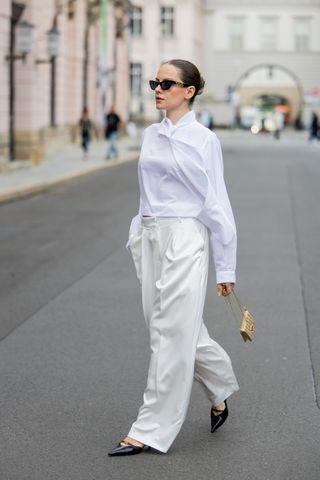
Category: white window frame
[236,26]
[167,21]
[136,79]
[269,40]
[137,21]
[302,38]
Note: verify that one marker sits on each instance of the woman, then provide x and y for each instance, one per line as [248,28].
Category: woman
[184,206]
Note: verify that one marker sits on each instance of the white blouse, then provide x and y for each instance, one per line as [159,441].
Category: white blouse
[180,174]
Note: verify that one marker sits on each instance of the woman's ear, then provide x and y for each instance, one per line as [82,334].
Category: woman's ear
[190,92]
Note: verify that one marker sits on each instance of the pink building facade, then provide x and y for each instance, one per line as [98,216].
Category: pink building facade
[92,37]
[4,77]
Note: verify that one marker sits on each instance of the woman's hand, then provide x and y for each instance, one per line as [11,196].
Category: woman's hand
[225,289]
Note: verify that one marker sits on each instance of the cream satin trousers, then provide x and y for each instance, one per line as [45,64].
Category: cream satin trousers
[171,257]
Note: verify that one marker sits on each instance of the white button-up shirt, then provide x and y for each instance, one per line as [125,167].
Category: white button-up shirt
[180,173]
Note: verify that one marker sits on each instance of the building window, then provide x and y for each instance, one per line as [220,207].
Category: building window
[136,79]
[136,21]
[236,33]
[302,34]
[167,21]
[269,33]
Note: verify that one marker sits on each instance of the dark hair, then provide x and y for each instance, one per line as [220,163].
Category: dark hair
[190,75]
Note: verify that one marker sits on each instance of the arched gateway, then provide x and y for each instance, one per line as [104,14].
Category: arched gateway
[267,88]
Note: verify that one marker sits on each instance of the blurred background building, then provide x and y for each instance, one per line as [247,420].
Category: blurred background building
[260,56]
[259,59]
[59,56]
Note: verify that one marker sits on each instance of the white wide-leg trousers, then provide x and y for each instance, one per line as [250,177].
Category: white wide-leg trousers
[171,256]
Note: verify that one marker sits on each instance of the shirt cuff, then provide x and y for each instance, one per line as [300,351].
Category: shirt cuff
[227,276]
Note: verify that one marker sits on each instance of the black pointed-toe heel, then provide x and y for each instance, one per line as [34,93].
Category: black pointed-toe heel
[218,420]
[127,449]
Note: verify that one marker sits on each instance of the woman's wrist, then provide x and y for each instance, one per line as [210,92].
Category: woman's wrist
[225,289]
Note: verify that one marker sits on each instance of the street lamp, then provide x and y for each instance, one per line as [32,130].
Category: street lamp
[24,37]
[53,42]
[53,51]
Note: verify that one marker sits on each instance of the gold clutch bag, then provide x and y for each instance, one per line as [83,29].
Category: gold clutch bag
[247,323]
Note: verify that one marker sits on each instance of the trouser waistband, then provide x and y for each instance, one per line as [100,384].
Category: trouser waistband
[153,221]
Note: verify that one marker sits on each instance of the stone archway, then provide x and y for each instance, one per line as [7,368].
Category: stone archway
[270,80]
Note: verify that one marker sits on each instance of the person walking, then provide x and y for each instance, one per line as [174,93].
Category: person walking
[278,124]
[113,122]
[314,127]
[184,207]
[85,126]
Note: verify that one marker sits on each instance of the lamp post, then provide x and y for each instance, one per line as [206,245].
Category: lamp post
[20,40]
[53,50]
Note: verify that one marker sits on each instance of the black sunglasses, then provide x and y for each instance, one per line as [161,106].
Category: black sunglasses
[165,84]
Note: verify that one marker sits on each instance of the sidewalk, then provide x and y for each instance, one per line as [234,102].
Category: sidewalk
[23,179]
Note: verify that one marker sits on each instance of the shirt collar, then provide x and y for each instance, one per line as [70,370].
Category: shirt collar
[166,127]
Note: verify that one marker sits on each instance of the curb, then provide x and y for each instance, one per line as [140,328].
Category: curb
[40,186]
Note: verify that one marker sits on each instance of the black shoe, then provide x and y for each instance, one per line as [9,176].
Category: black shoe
[218,420]
[126,449]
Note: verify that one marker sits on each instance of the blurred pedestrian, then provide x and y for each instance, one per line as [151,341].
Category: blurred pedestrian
[112,125]
[206,119]
[184,206]
[85,126]
[278,124]
[298,123]
[314,127]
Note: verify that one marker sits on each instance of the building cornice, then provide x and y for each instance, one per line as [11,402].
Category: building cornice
[213,4]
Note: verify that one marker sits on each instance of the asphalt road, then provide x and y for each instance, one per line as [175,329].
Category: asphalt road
[74,348]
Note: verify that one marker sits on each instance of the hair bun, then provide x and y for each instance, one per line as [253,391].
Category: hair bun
[201,85]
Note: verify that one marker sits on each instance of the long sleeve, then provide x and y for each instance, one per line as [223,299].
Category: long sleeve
[224,255]
[203,175]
